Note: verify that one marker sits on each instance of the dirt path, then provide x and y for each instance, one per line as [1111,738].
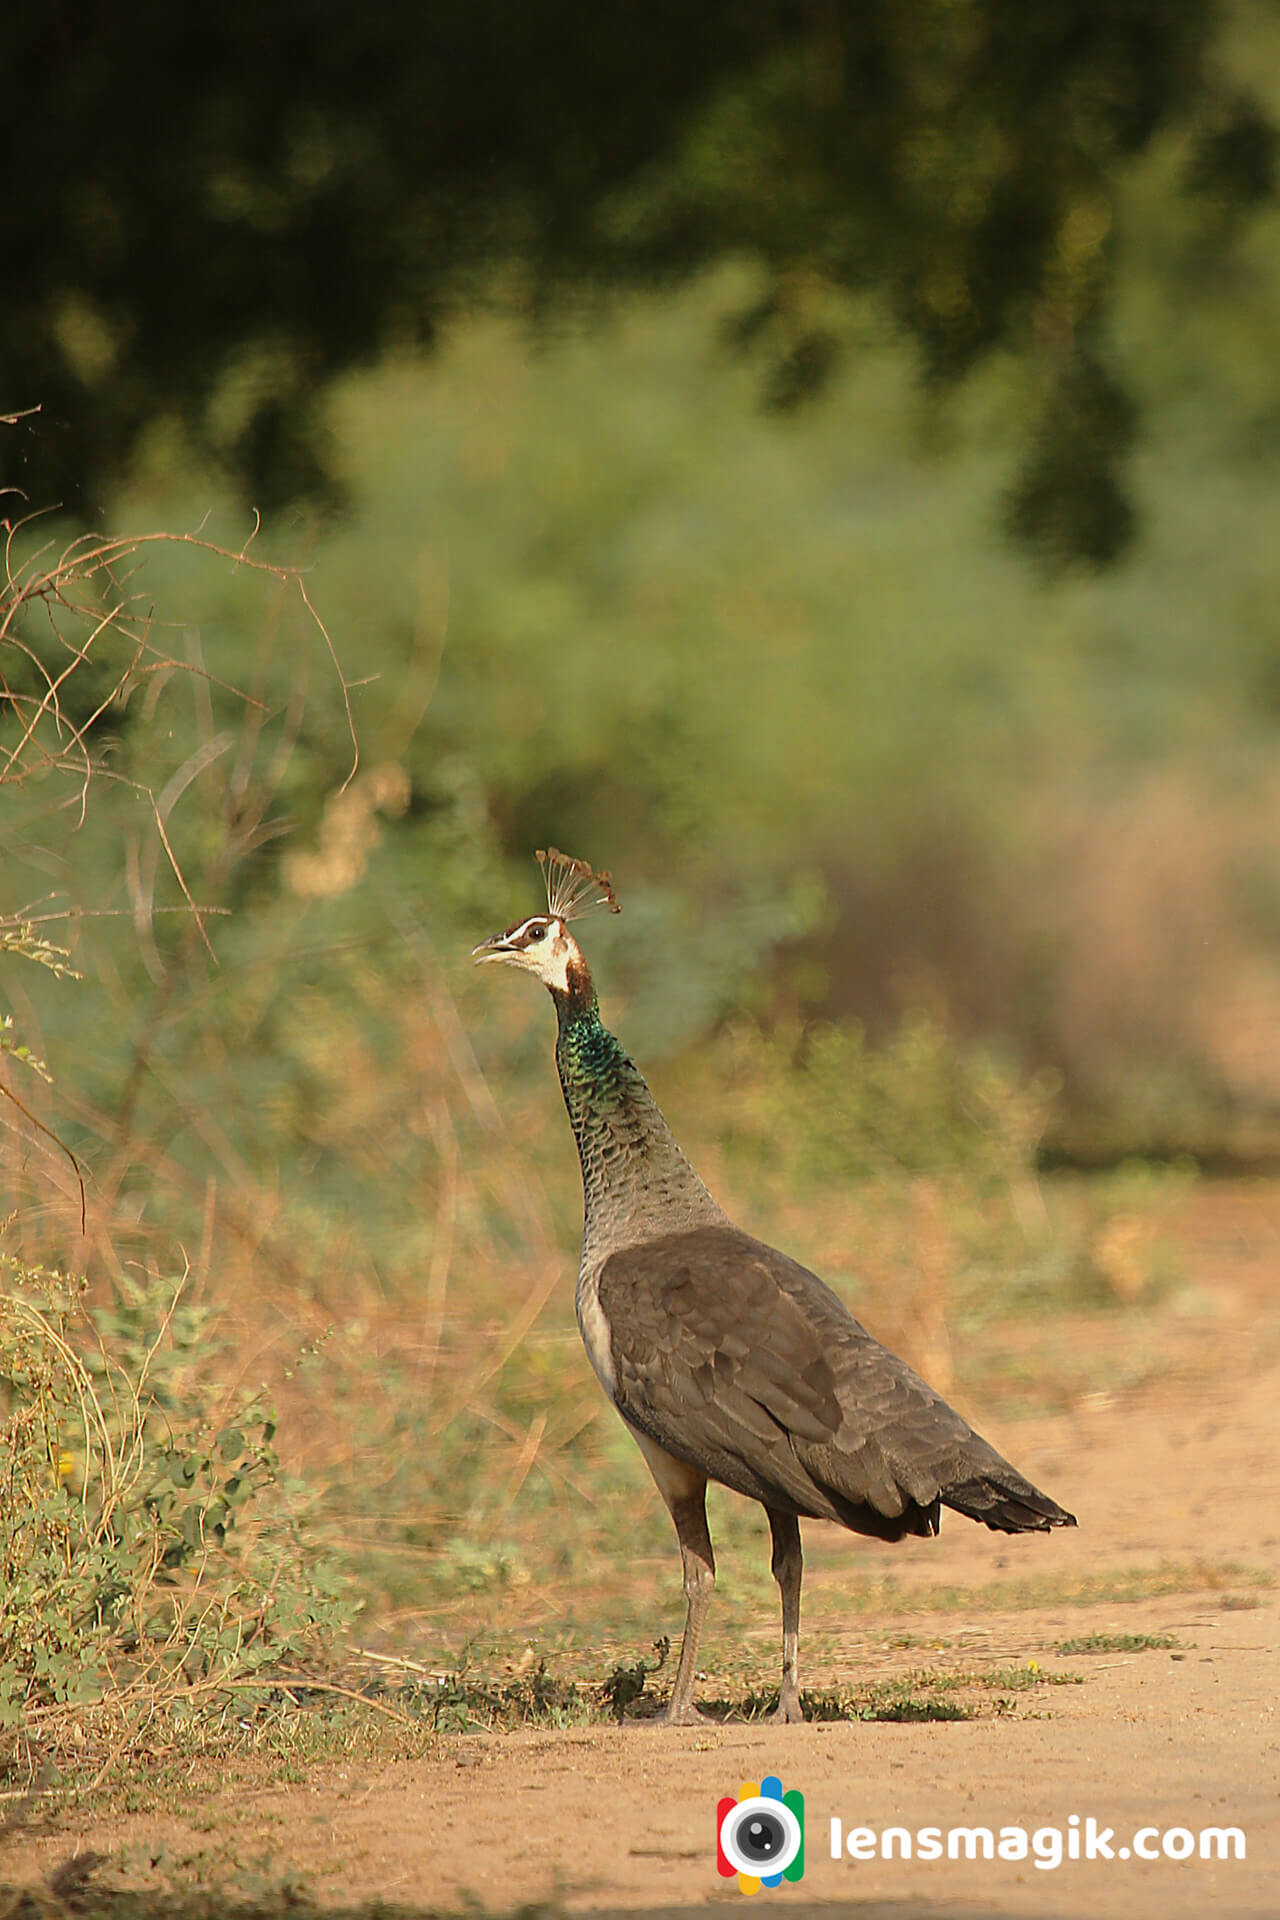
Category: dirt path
[1186,1473]
[624,1819]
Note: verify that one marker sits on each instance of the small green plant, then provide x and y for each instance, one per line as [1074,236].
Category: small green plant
[469,1567]
[1017,1679]
[626,1684]
[145,1548]
[19,936]
[459,1705]
[907,1707]
[1117,1643]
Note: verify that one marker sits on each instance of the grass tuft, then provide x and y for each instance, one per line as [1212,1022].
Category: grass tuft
[1117,1643]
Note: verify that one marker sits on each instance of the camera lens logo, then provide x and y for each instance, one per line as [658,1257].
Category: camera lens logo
[760,1835]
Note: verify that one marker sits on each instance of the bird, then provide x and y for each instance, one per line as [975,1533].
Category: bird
[728,1360]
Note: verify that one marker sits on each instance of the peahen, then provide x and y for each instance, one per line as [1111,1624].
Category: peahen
[726,1359]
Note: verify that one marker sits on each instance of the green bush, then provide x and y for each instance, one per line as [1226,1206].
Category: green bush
[825,1105]
[145,1546]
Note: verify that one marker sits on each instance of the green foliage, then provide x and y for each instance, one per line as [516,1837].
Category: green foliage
[820,1104]
[144,1547]
[1069,501]
[469,1566]
[837,750]
[463,1703]
[1117,1643]
[20,938]
[959,158]
[907,1709]
[626,1684]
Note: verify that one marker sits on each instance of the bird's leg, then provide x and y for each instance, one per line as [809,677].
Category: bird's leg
[788,1565]
[685,1491]
[689,1511]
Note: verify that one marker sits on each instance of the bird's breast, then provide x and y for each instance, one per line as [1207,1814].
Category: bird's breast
[594,1327]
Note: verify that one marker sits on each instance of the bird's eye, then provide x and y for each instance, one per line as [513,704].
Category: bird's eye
[537,933]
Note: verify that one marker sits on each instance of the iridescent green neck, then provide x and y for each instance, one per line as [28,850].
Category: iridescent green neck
[636,1183]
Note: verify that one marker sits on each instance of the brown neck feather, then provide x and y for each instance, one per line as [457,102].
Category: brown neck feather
[580,996]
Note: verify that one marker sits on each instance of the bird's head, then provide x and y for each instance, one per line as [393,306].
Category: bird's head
[542,944]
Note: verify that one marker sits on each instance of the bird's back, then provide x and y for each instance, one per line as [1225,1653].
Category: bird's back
[739,1361]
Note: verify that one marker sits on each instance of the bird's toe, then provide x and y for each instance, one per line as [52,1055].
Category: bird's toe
[685,1714]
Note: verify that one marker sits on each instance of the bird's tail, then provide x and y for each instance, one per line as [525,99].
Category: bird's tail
[1002,1499]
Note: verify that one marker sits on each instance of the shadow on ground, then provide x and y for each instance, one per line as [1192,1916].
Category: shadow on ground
[70,1895]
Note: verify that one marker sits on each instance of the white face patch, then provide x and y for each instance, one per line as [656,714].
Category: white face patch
[541,946]
[549,957]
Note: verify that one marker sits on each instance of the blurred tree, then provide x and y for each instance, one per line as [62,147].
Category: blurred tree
[211,212]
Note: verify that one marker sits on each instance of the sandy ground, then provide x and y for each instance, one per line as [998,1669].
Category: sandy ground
[1186,1470]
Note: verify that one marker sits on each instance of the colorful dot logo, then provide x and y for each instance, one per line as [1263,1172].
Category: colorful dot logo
[760,1835]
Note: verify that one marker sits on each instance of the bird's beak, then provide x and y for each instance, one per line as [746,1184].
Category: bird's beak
[494,948]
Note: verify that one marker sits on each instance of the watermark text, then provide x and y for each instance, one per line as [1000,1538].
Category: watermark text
[1046,1847]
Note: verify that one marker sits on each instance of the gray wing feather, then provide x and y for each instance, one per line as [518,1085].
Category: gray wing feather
[742,1363]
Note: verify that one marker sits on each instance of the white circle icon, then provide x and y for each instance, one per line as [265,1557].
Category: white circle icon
[760,1837]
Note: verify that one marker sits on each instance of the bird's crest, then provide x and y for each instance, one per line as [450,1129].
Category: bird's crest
[574,889]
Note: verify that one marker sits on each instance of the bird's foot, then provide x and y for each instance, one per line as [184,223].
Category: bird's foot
[788,1711]
[683,1713]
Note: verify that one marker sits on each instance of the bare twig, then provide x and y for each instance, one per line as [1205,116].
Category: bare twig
[49,1134]
[343,682]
